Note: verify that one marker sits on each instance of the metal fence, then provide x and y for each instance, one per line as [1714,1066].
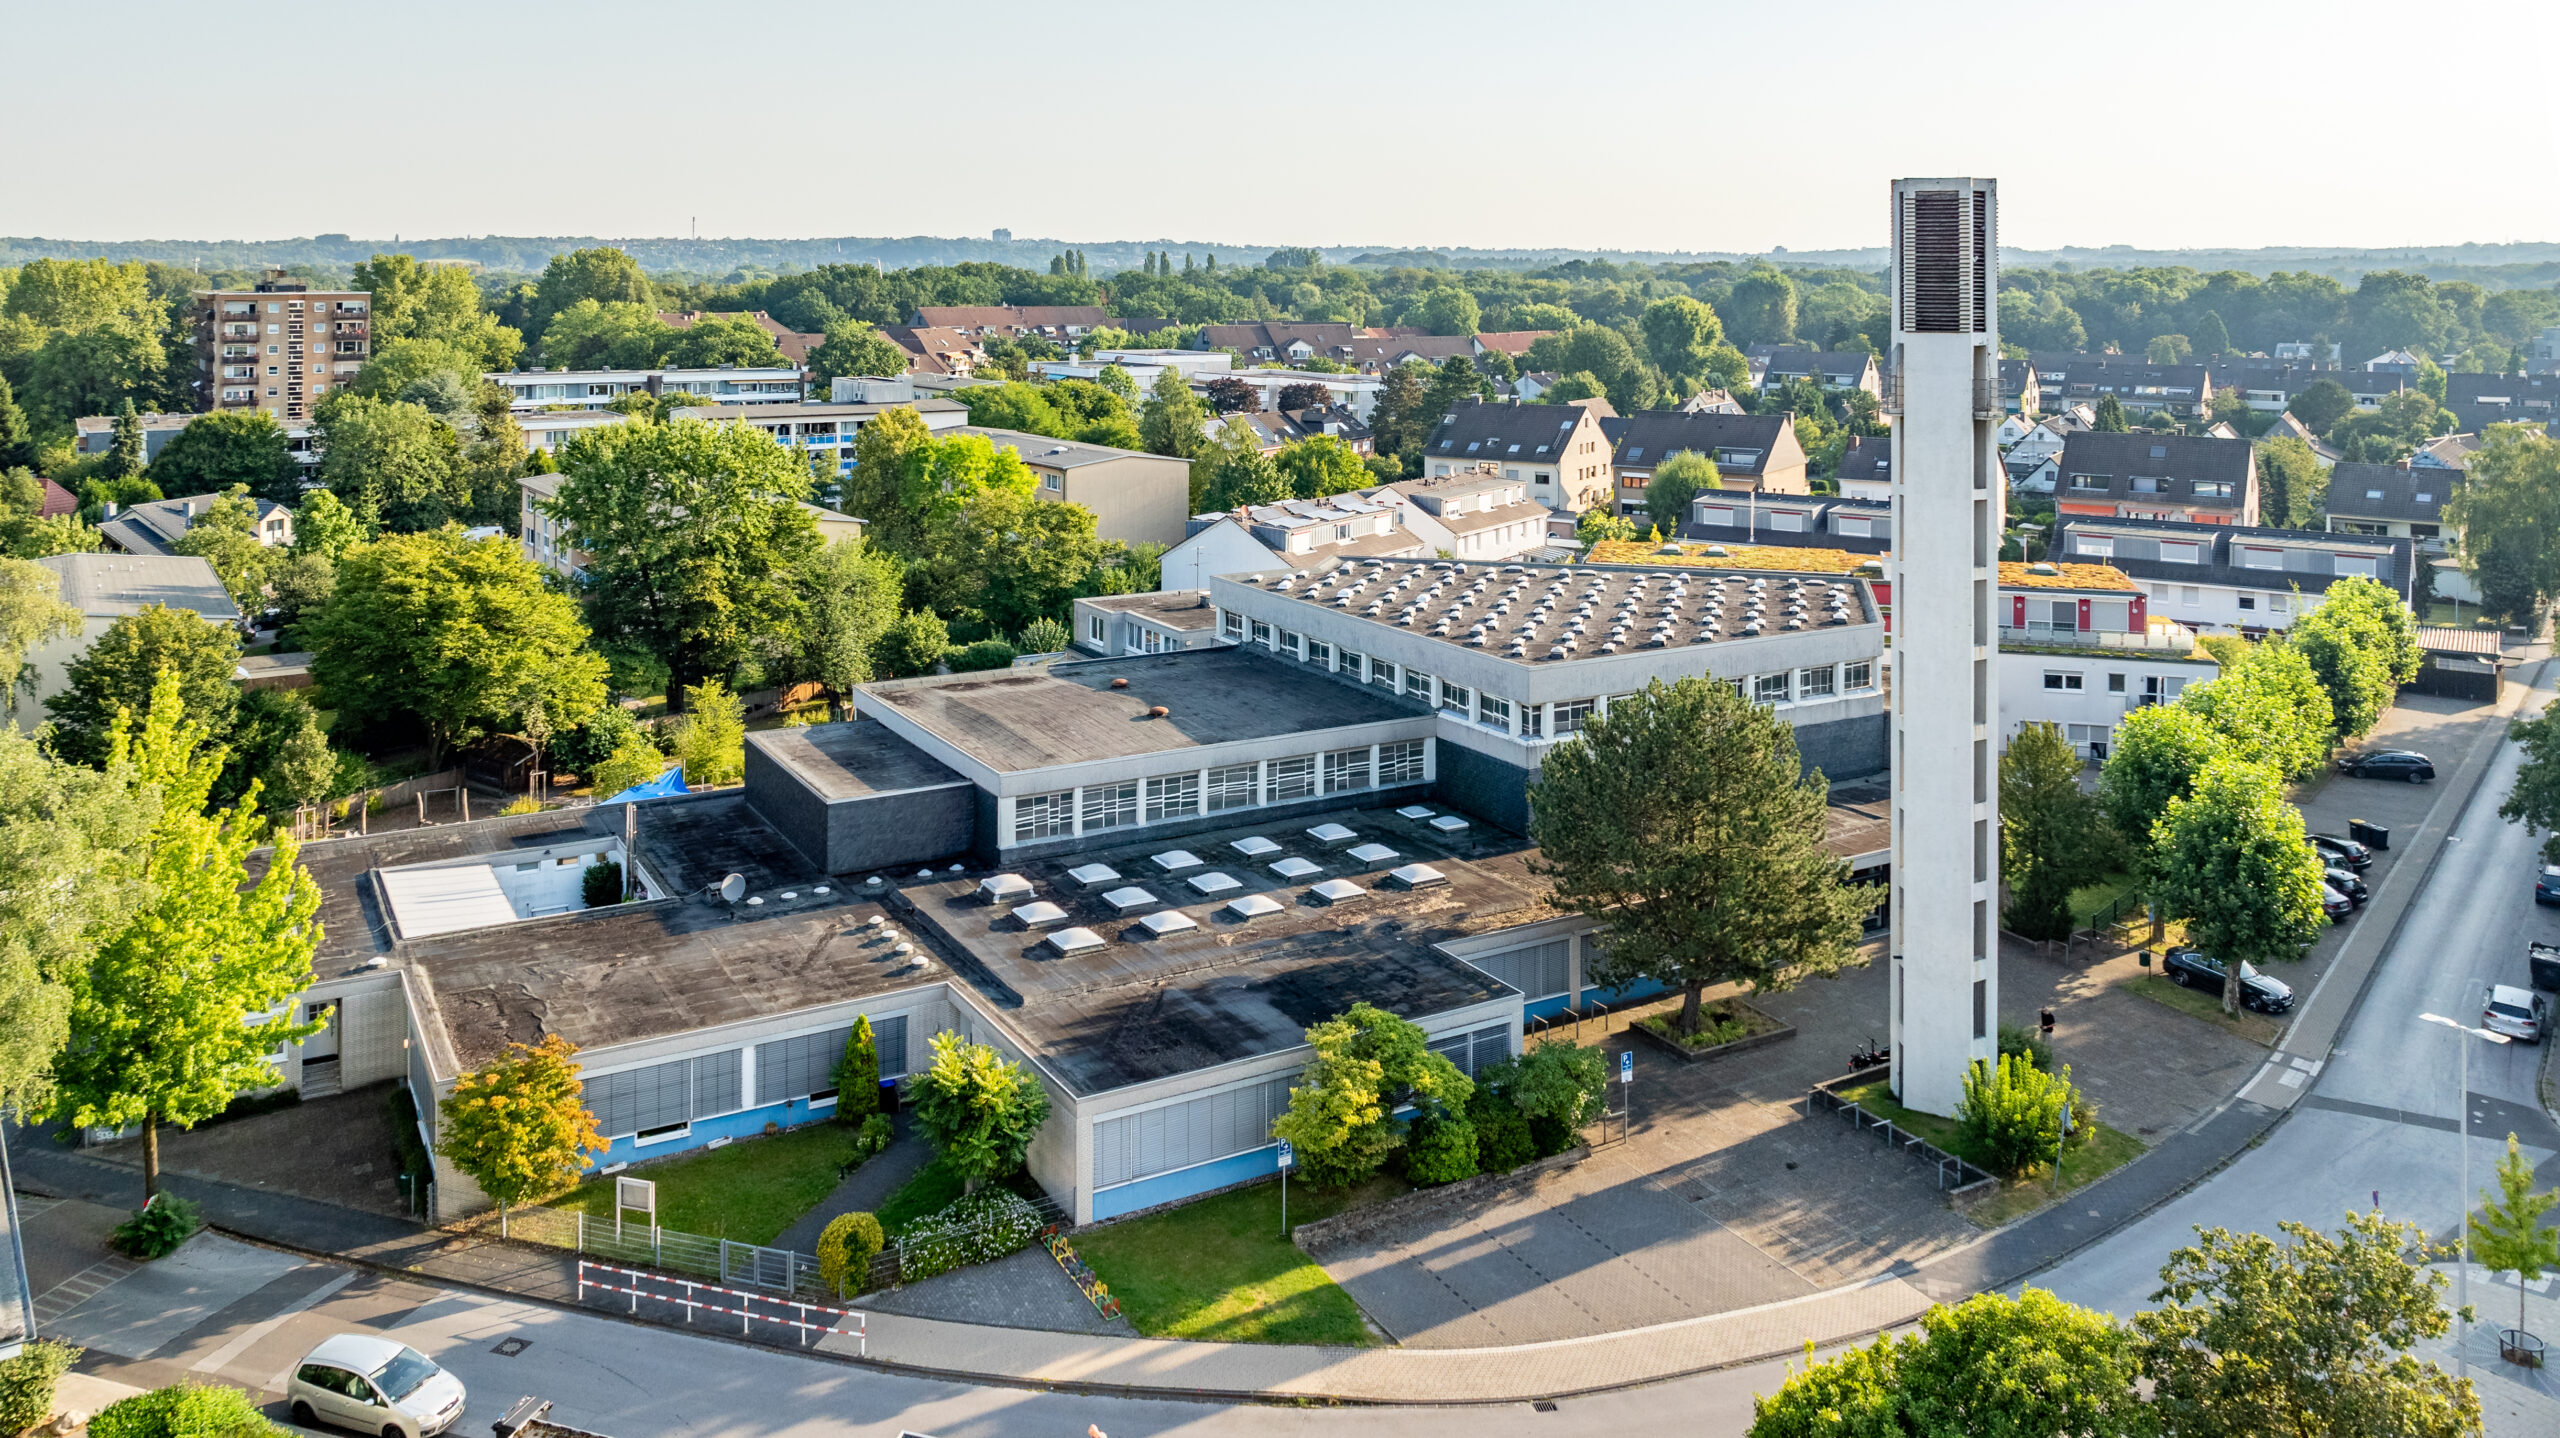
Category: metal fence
[1953,1172]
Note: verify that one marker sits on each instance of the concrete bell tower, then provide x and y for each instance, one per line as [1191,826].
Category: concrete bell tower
[1948,493]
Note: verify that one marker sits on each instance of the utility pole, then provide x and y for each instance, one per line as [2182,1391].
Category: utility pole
[2462,1276]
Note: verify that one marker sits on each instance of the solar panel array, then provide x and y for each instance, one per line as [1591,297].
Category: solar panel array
[1530,613]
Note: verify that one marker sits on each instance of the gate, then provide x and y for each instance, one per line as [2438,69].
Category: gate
[778,1269]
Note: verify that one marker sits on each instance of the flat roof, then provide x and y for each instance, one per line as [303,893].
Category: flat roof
[850,760]
[2056,574]
[1143,1008]
[111,585]
[1057,453]
[1763,558]
[1014,720]
[1172,608]
[818,409]
[1532,613]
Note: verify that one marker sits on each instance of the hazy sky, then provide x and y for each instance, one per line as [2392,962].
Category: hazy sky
[1703,125]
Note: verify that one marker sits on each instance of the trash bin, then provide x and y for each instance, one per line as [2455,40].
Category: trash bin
[2373,835]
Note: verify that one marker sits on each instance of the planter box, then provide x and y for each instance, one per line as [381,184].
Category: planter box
[1687,1055]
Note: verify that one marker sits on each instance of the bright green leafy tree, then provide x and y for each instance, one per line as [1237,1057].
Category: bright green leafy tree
[518,1125]
[2507,1234]
[979,1110]
[710,738]
[2234,863]
[64,879]
[1676,482]
[1368,1063]
[230,447]
[122,669]
[1990,1367]
[857,1074]
[2054,837]
[2269,707]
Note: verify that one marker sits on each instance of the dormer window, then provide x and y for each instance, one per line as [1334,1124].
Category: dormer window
[2373,494]
[2159,451]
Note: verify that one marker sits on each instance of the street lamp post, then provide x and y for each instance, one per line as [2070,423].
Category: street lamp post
[2462,1278]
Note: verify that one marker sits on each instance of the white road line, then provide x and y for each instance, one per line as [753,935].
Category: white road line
[241,1341]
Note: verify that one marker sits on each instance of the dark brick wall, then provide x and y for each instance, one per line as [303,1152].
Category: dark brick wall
[877,832]
[784,802]
[1846,748]
[1482,785]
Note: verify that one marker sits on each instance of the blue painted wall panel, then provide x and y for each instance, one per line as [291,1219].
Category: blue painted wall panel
[1184,1182]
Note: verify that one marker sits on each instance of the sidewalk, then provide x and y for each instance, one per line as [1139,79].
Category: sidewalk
[1523,1372]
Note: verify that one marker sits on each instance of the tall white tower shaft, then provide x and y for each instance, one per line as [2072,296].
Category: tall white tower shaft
[1947,504]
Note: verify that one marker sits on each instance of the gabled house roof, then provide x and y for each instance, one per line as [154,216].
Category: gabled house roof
[57,501]
[1386,354]
[1740,444]
[108,586]
[1868,459]
[2218,549]
[1328,338]
[2098,465]
[2391,493]
[937,350]
[155,526]
[1512,433]
[795,346]
[1514,343]
[1836,368]
[1011,317]
[2481,400]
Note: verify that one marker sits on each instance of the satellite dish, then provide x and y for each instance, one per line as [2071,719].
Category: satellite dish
[733,888]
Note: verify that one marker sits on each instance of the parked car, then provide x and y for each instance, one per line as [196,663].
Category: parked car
[2542,961]
[2336,905]
[2517,1013]
[2346,882]
[374,1385]
[2191,970]
[2345,852]
[2406,764]
[2546,885]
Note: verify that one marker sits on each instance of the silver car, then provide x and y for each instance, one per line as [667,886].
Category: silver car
[2517,1013]
[374,1385]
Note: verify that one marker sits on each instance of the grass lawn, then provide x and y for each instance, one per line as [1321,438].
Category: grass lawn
[1219,1269]
[2255,1027]
[2090,899]
[2107,1150]
[749,1191]
[930,1191]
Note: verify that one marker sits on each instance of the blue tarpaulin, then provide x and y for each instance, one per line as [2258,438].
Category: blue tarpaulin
[671,782]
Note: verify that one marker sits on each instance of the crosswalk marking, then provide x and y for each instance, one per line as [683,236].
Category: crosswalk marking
[80,1287]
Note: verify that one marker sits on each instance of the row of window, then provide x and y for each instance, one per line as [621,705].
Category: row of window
[1168,797]
[2246,556]
[662,1101]
[2156,689]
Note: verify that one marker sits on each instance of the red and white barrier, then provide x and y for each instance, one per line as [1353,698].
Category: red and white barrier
[745,1311]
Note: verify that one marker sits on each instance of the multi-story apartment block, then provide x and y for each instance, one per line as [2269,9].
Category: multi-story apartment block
[279,346]
[541,389]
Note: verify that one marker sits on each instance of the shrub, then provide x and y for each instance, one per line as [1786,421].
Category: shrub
[976,1229]
[1560,1081]
[873,1138]
[601,884]
[1502,1132]
[27,1383]
[1043,636]
[1441,1148]
[522,804]
[857,1074]
[912,645]
[209,1411]
[2019,1039]
[2014,1113]
[985,654]
[157,1228]
[845,1251]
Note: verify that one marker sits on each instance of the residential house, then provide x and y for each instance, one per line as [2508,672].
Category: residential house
[2159,476]
[2446,451]
[1514,343]
[937,350]
[794,344]
[1706,401]
[2019,391]
[826,429]
[1829,369]
[1866,468]
[2080,650]
[2544,356]
[1059,324]
[1531,387]
[1160,622]
[155,526]
[1357,393]
[1299,533]
[2393,362]
[2230,578]
[2481,400]
[1750,451]
[96,434]
[105,588]
[1560,449]
[1740,517]
[2181,389]
[2269,386]
[1378,356]
[1474,515]
[1284,342]
[1136,497]
[1276,428]
[2288,427]
[2405,500]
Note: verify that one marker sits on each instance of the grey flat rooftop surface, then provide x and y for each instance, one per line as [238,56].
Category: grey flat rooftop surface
[350,916]
[1143,1007]
[850,760]
[1018,719]
[105,585]
[1172,608]
[1527,612]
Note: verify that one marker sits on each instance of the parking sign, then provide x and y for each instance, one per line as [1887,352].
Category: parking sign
[1627,1067]
[1288,1155]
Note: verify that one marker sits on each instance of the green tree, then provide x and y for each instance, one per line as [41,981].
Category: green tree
[276,741]
[2362,645]
[78,295]
[1446,310]
[888,486]
[601,335]
[64,878]
[1367,1064]
[1320,465]
[716,340]
[1558,1087]
[2169,349]
[185,1411]
[857,1074]
[432,374]
[2157,752]
[852,592]
[226,448]
[1680,335]
[602,274]
[2505,519]
[2292,486]
[2304,1334]
[2234,864]
[17,440]
[518,1125]
[166,1020]
[1233,471]
[2534,799]
[2507,1234]
[2026,1367]
[978,1110]
[2015,1112]
[1455,385]
[705,594]
[2390,431]
[845,1250]
[1015,406]
[226,537]
[2111,417]
[392,460]
[1681,820]
[632,763]
[1676,483]
[913,645]
[2320,404]
[461,636]
[121,671]
[1398,423]
[325,527]
[2212,337]
[1762,310]
[2269,707]
[97,371]
[1597,525]
[2054,838]
[438,303]
[1173,421]
[32,614]
[711,737]
[125,451]
[1008,559]
[858,349]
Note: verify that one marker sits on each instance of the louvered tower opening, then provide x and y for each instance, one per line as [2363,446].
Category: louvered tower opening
[1933,262]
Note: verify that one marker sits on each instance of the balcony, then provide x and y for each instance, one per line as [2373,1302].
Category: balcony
[2166,638]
